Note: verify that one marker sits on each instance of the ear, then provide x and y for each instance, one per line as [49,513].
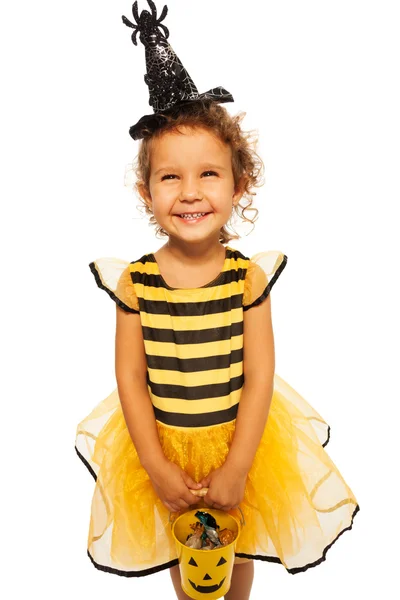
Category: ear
[239,190]
[145,194]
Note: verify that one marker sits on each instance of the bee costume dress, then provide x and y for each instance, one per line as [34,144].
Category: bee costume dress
[296,503]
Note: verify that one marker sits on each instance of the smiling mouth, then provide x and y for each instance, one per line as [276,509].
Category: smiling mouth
[189,219]
[206,589]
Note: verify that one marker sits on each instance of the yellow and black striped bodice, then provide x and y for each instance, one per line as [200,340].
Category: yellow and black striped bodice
[193,342]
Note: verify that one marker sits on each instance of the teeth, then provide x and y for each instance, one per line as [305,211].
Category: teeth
[193,216]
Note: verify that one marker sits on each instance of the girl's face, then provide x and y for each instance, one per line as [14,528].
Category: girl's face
[191,172]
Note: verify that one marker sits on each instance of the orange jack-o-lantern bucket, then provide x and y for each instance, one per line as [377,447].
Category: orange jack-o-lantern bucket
[205,573]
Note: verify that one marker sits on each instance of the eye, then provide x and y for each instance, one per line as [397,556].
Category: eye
[193,562]
[212,173]
[167,176]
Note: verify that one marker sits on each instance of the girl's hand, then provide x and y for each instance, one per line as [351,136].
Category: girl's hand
[172,485]
[226,488]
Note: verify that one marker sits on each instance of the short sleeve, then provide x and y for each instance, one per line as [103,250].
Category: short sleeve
[263,270]
[113,275]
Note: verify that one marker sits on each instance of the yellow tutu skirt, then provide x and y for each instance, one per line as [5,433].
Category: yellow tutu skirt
[296,502]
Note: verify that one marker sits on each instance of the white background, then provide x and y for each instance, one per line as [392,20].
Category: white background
[320,81]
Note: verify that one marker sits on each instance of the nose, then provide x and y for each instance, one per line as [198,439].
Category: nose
[190,190]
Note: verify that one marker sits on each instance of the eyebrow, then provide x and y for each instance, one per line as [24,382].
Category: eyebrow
[203,166]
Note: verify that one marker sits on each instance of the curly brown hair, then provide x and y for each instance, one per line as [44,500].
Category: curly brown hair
[215,118]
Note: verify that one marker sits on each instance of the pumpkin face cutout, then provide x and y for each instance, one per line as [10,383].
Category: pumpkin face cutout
[205,574]
[209,589]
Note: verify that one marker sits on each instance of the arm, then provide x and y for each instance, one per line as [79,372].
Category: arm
[170,482]
[227,483]
[259,368]
[131,369]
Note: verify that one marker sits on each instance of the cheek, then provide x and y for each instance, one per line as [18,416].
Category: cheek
[223,206]
[223,193]
[163,200]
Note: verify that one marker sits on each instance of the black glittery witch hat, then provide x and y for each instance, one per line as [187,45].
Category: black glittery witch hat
[170,85]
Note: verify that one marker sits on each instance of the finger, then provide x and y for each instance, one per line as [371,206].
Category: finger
[190,482]
[172,507]
[183,503]
[225,507]
[208,501]
[195,500]
[189,499]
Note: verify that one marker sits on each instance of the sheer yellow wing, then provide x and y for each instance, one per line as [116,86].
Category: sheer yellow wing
[113,275]
[263,270]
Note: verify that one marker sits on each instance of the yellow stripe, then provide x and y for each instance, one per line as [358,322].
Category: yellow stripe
[194,350]
[193,322]
[160,293]
[148,267]
[195,407]
[212,377]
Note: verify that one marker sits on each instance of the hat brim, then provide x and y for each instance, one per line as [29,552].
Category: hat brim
[149,123]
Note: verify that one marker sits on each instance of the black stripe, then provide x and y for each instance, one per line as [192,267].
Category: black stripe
[197,392]
[197,336]
[155,280]
[190,309]
[199,420]
[269,286]
[189,365]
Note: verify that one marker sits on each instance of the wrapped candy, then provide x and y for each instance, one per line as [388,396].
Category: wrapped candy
[208,544]
[206,519]
[226,536]
[194,542]
[213,535]
[201,493]
[195,539]
[197,527]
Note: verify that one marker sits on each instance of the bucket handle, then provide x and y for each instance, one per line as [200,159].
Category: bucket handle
[203,492]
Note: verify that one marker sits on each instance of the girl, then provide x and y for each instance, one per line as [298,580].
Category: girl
[198,408]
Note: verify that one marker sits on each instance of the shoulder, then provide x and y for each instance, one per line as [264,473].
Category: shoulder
[117,277]
[263,270]
[134,276]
